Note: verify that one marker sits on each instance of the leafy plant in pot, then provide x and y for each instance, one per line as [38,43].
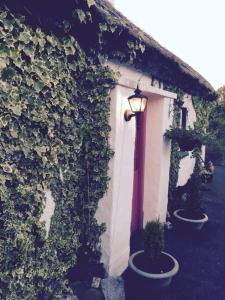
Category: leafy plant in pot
[154,268]
[187,139]
[191,216]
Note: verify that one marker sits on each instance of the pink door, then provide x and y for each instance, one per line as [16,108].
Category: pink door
[138,185]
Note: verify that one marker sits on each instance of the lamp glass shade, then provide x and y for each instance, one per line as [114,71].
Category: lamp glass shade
[137,101]
[137,104]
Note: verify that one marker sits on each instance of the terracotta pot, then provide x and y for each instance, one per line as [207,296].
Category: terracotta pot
[152,280]
[188,224]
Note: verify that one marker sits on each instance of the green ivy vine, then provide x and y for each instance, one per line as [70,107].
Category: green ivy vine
[175,156]
[54,116]
[203,110]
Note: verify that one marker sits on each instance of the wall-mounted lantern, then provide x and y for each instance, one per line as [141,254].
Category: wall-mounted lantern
[137,104]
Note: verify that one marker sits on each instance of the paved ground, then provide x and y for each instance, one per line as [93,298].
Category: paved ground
[201,256]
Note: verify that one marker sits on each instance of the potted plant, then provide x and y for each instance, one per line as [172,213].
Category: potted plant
[153,267]
[187,139]
[191,216]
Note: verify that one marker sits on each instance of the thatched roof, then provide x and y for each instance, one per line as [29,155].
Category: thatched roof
[156,60]
[192,81]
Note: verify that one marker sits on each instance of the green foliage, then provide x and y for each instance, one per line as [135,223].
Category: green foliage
[190,136]
[175,154]
[216,150]
[221,93]
[153,240]
[203,109]
[193,203]
[54,113]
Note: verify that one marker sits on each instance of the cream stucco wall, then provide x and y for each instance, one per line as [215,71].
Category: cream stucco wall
[187,163]
[157,162]
[115,208]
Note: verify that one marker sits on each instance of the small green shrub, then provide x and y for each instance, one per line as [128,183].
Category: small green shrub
[193,203]
[153,240]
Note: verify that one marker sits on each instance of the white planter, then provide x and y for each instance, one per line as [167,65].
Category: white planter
[152,280]
[189,224]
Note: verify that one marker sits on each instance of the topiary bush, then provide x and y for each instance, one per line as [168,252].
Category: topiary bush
[153,240]
[193,203]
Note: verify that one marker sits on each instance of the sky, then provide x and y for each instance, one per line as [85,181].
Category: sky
[194,30]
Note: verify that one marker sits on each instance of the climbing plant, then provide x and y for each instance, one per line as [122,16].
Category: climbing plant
[54,113]
[203,110]
[174,157]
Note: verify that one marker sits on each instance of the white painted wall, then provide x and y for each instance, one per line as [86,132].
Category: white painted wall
[157,158]
[187,163]
[48,210]
[116,207]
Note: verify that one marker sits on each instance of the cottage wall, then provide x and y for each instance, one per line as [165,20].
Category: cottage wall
[116,206]
[157,154]
[115,209]
[187,163]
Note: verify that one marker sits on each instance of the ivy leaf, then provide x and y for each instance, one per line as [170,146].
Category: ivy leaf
[112,28]
[8,25]
[7,168]
[8,73]
[90,3]
[38,86]
[41,149]
[3,62]
[142,48]
[81,15]
[17,109]
[25,37]
[3,15]
[3,179]
[51,40]
[103,27]
[13,133]
[130,44]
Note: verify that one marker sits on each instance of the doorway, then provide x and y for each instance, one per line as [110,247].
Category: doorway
[138,183]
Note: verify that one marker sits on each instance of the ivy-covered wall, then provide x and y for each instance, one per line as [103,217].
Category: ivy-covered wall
[202,109]
[54,110]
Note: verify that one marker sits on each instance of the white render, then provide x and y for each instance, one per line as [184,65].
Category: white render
[187,163]
[48,211]
[157,158]
[115,209]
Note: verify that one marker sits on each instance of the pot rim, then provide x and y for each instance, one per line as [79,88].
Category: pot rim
[203,220]
[153,275]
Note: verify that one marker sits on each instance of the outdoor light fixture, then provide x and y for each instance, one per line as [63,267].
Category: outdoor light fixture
[137,104]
